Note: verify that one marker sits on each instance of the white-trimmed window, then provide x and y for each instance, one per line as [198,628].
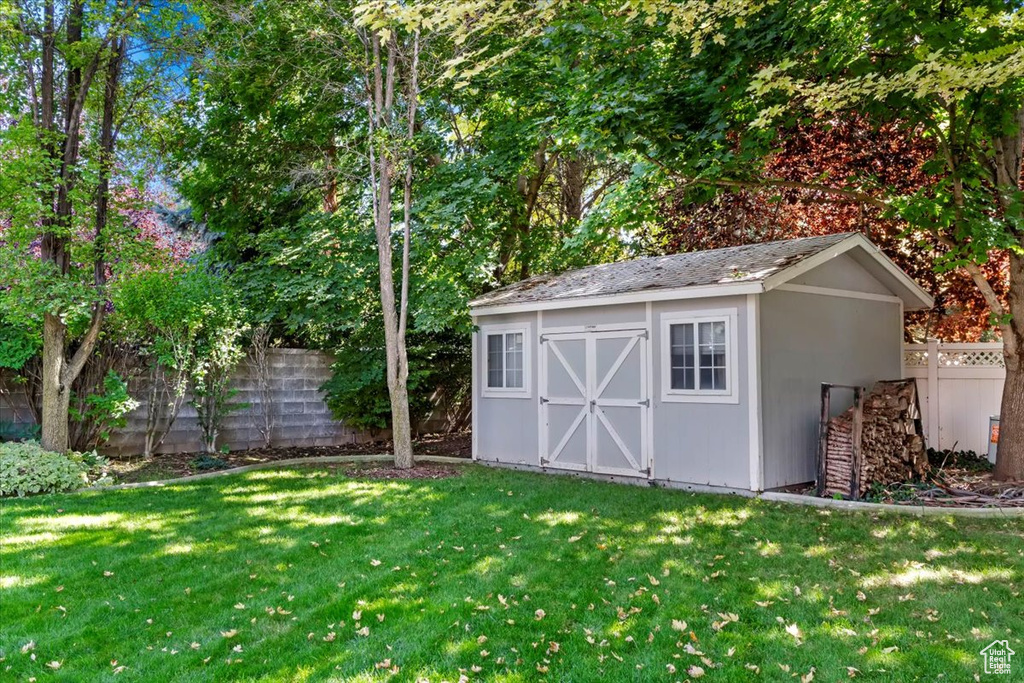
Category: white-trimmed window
[699,357]
[506,352]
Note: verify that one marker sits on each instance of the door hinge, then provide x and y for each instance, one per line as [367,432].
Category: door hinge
[544,461]
[643,335]
[543,400]
[646,403]
[648,470]
[542,339]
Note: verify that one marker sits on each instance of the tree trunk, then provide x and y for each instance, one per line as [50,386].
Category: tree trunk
[383,169]
[1010,457]
[56,395]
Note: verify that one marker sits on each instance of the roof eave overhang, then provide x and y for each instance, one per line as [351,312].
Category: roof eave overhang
[668,294]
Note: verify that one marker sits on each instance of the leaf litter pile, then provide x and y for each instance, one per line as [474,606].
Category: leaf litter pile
[954,479]
[332,574]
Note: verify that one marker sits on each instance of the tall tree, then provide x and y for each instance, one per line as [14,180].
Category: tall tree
[65,63]
[705,99]
[393,66]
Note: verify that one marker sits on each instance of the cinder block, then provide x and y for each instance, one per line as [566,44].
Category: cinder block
[315,408]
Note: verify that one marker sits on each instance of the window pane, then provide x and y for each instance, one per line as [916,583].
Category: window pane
[712,356]
[682,356]
[514,360]
[495,361]
[718,333]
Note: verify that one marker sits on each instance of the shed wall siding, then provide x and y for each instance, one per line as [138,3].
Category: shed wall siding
[506,428]
[807,339]
[842,272]
[702,443]
[619,314]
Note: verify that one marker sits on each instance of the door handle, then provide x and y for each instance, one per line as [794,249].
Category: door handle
[593,404]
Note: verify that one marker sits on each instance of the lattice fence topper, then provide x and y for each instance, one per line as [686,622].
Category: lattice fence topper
[955,355]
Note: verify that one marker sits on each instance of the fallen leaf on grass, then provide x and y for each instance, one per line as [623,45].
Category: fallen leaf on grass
[229,634]
[695,671]
[678,625]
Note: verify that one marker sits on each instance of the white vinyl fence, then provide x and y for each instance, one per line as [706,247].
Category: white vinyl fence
[960,387]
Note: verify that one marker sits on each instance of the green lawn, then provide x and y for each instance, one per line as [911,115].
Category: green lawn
[309,574]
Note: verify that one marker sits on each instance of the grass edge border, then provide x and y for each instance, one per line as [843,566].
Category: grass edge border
[770,496]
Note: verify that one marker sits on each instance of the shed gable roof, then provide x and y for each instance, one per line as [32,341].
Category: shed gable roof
[763,265]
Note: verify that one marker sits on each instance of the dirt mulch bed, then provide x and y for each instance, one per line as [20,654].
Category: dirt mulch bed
[174,465]
[424,471]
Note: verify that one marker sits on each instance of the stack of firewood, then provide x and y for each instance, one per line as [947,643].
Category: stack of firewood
[891,443]
[839,462]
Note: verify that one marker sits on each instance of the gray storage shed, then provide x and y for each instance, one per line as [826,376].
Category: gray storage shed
[693,369]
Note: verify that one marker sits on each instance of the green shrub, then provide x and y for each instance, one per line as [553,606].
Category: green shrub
[209,462]
[25,468]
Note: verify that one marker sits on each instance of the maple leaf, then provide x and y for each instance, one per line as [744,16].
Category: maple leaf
[678,625]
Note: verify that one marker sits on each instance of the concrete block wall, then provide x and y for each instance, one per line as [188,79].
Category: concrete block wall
[300,416]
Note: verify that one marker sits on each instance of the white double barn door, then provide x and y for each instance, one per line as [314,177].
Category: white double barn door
[594,401]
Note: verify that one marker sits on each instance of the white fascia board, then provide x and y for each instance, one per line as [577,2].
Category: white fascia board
[918,298]
[675,294]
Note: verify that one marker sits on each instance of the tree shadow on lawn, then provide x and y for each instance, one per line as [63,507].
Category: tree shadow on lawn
[503,575]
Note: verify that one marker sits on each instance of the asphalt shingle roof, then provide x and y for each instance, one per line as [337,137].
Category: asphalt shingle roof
[748,263]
